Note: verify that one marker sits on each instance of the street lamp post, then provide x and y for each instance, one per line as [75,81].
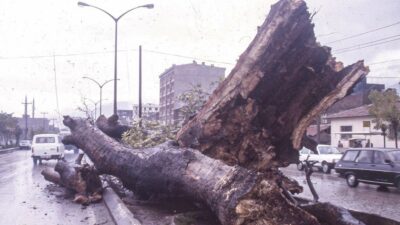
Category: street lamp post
[95,106]
[101,87]
[116,19]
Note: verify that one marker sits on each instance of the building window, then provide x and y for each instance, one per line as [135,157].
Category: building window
[366,123]
[346,129]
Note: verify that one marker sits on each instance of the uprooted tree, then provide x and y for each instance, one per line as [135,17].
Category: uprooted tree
[228,155]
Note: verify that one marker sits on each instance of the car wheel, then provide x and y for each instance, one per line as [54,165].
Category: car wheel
[34,160]
[326,168]
[351,180]
[300,166]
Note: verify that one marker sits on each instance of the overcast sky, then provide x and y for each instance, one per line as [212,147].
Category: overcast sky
[174,32]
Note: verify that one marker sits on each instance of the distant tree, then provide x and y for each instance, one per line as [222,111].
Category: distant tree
[17,133]
[86,109]
[193,100]
[8,126]
[384,108]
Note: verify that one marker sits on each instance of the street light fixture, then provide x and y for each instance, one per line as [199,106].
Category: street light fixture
[101,87]
[95,106]
[116,19]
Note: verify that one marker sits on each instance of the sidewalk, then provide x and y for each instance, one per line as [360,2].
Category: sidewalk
[7,150]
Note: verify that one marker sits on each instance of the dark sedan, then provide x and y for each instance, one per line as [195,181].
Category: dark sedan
[370,165]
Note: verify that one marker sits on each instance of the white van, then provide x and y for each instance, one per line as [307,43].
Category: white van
[47,146]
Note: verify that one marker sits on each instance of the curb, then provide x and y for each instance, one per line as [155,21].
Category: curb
[119,212]
[7,150]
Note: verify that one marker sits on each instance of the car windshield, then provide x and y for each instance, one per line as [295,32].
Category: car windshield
[395,155]
[328,150]
[44,140]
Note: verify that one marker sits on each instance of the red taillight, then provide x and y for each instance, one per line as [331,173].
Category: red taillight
[32,150]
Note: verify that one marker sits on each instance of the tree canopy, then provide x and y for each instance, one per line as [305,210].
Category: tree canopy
[8,126]
[385,107]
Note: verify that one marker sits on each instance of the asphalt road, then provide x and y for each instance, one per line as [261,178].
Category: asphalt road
[26,198]
[364,198]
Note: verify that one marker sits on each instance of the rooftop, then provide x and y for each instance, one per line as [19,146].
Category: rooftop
[355,112]
[194,63]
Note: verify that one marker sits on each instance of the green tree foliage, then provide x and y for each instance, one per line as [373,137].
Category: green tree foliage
[144,134]
[193,100]
[8,126]
[384,108]
[151,133]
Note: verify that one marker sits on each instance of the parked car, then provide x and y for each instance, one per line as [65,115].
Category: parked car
[25,144]
[326,157]
[371,165]
[46,147]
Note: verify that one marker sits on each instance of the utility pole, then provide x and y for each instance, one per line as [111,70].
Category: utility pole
[319,128]
[44,118]
[26,103]
[33,108]
[140,82]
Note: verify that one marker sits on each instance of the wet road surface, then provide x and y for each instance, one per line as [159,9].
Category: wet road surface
[26,198]
[334,189]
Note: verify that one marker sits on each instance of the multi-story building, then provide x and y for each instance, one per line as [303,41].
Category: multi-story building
[179,79]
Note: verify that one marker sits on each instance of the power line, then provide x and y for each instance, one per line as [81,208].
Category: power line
[109,52]
[324,35]
[369,42]
[382,77]
[178,55]
[188,57]
[386,61]
[366,32]
[367,46]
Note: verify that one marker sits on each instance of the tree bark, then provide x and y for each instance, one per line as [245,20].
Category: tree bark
[257,117]
[111,126]
[82,179]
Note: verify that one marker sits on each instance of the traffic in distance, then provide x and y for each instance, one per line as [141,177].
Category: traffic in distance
[377,166]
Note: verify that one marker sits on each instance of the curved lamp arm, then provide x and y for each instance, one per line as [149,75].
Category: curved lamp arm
[109,14]
[105,82]
[92,80]
[149,6]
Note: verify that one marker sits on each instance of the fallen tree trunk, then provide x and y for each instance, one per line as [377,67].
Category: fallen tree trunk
[81,179]
[236,195]
[111,126]
[257,117]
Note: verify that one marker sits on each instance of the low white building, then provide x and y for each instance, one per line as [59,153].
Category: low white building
[355,126]
[149,111]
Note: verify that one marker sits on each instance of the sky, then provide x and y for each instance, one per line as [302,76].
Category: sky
[49,45]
